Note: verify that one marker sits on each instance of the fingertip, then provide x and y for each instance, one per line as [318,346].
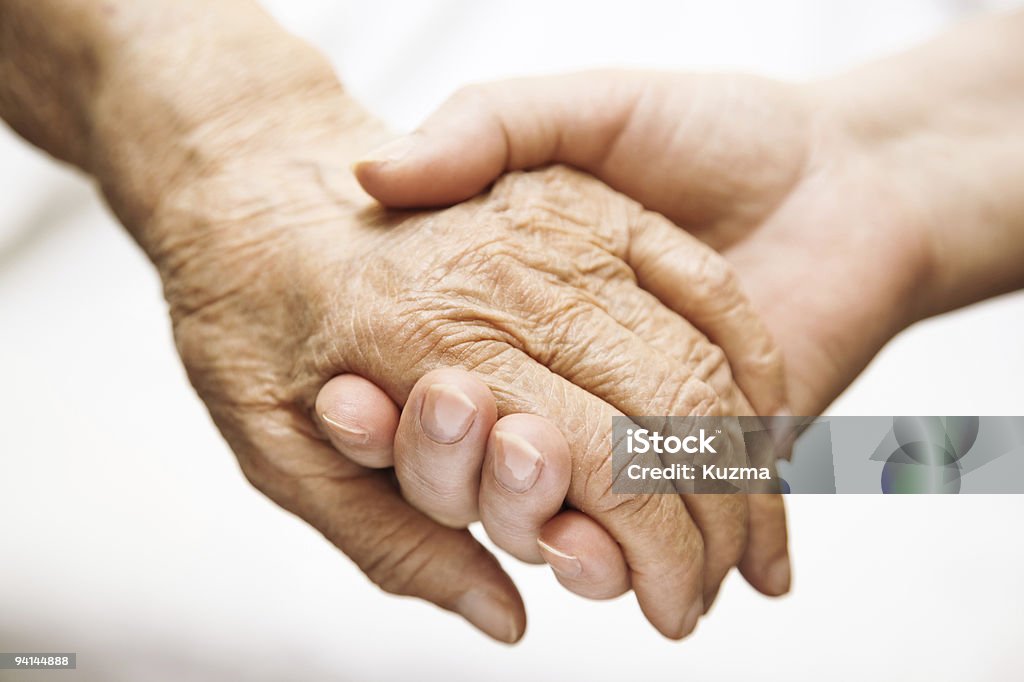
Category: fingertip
[779,577]
[368,175]
[387,183]
[585,559]
[358,418]
[524,482]
[445,394]
[546,440]
[457,152]
[766,564]
[774,579]
[494,614]
[421,559]
[419,184]
[392,173]
[677,630]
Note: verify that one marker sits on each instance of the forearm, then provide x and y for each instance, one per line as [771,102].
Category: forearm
[141,94]
[945,123]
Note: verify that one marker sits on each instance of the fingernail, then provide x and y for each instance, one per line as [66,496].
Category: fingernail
[778,577]
[391,152]
[690,622]
[446,414]
[345,428]
[517,464]
[488,613]
[562,563]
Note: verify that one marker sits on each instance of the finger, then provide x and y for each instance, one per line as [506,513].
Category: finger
[723,523]
[523,483]
[397,547]
[359,419]
[685,277]
[440,444]
[656,137]
[669,333]
[766,564]
[721,519]
[594,363]
[483,131]
[583,556]
[659,540]
[691,279]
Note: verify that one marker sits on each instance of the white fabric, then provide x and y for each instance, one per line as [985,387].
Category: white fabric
[128,535]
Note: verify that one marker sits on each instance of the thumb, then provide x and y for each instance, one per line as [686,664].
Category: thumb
[361,511]
[483,131]
[406,553]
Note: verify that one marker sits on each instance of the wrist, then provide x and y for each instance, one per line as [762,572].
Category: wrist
[183,94]
[938,127]
[866,150]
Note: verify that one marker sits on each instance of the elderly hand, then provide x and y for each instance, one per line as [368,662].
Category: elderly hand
[288,280]
[223,145]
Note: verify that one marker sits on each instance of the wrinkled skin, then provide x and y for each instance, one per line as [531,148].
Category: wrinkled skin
[819,212]
[534,286]
[769,174]
[217,140]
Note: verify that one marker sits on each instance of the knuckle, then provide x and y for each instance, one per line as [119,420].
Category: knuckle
[511,532]
[692,569]
[433,325]
[714,278]
[734,544]
[600,499]
[729,534]
[688,396]
[591,487]
[563,328]
[558,202]
[446,499]
[397,560]
[709,363]
[438,332]
[647,517]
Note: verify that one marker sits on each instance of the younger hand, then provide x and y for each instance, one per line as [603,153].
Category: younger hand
[767,173]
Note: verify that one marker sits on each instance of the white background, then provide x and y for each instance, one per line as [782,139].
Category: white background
[128,535]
